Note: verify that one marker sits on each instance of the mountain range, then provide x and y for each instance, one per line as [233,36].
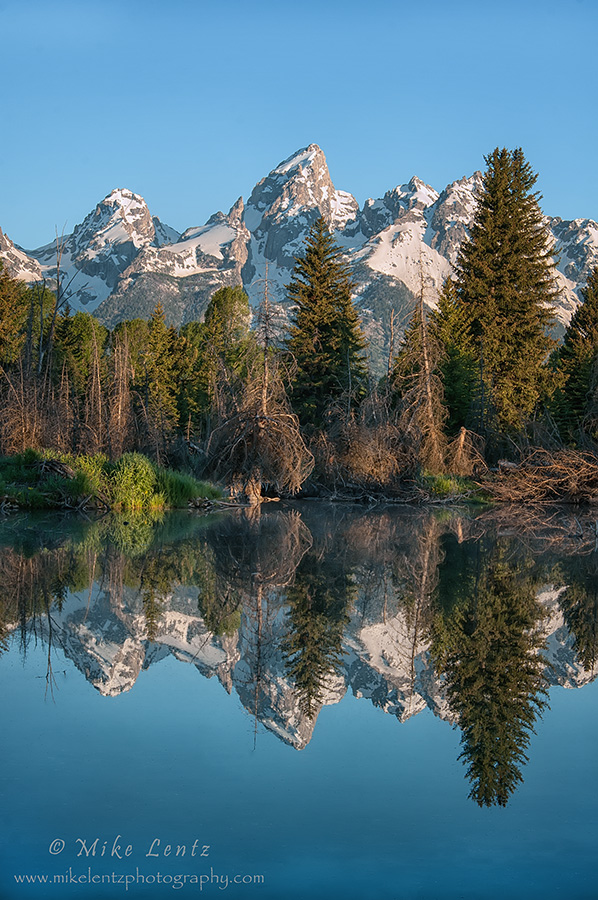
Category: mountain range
[121,261]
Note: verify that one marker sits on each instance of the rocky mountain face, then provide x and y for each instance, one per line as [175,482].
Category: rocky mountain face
[93,258]
[120,261]
[16,262]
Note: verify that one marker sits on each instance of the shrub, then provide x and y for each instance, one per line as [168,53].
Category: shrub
[443,487]
[133,482]
[96,469]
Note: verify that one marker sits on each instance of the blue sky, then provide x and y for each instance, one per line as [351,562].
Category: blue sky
[190,103]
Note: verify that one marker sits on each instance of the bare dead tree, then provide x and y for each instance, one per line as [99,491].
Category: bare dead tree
[120,421]
[252,450]
[94,414]
[421,411]
[22,419]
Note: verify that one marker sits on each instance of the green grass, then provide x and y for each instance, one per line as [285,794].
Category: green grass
[178,488]
[447,487]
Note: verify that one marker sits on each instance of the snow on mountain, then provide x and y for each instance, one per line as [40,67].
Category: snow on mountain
[119,262]
[164,233]
[16,262]
[401,252]
[184,274]
[280,212]
[451,215]
[93,258]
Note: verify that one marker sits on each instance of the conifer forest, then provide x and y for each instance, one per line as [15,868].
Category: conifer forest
[280,401]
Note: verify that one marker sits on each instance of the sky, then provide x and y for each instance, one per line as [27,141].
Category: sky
[190,104]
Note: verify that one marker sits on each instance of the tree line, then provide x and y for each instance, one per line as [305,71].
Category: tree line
[268,402]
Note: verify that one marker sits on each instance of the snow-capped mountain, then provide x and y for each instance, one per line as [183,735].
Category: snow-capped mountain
[16,262]
[120,261]
[94,257]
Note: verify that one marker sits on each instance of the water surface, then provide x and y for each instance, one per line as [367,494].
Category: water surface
[319,701]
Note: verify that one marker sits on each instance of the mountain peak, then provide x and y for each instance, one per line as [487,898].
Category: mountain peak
[121,217]
[416,193]
[301,159]
[122,197]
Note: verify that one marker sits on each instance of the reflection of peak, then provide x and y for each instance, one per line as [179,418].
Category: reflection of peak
[385,657]
[390,665]
[564,667]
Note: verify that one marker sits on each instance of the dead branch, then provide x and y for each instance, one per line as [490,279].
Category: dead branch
[565,476]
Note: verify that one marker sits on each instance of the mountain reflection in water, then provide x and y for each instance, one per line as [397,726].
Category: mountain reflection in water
[472,617]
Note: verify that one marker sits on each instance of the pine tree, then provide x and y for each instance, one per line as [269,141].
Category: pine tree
[450,326]
[506,281]
[225,348]
[326,339]
[159,390]
[13,315]
[576,361]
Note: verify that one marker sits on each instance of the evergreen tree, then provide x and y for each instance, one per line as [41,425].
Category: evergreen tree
[13,315]
[159,390]
[450,326]
[506,281]
[326,339]
[225,347]
[576,361]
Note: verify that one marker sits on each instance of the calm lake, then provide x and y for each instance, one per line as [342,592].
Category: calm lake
[321,701]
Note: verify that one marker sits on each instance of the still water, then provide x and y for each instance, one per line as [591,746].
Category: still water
[318,701]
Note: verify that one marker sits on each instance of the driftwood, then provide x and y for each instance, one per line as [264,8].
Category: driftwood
[565,476]
[96,500]
[55,467]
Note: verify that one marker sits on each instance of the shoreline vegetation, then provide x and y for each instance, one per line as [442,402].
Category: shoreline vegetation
[47,480]
[478,403]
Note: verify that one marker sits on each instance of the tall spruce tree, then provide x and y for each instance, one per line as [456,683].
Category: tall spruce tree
[326,339]
[506,280]
[577,359]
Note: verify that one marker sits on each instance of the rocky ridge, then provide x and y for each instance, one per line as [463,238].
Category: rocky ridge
[120,261]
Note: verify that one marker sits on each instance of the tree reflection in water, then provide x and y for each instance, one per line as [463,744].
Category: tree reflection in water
[318,601]
[486,639]
[295,605]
